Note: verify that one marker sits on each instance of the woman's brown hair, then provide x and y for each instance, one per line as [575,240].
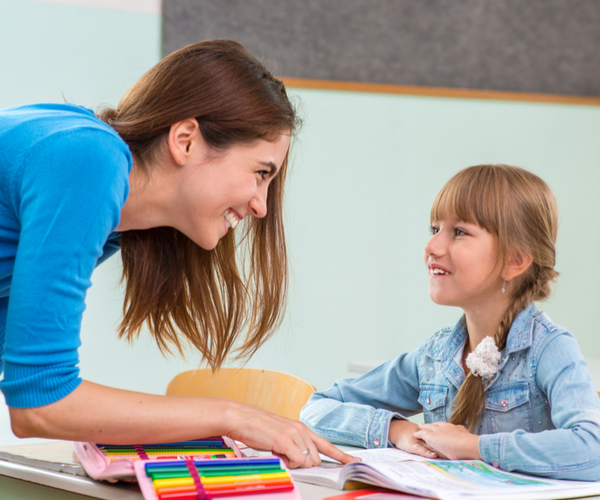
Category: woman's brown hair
[520,211]
[185,294]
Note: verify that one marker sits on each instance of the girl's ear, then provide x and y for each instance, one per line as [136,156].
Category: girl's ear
[518,262]
[184,137]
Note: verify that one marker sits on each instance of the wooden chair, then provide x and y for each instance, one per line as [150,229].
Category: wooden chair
[277,392]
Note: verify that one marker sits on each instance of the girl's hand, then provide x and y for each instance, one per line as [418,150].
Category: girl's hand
[452,441]
[402,436]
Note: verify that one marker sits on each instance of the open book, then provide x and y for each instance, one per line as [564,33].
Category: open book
[443,479]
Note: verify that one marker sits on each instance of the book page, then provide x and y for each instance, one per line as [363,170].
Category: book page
[469,479]
[386,455]
[378,455]
[326,474]
[446,479]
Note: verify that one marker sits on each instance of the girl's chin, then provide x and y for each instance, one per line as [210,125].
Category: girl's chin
[441,300]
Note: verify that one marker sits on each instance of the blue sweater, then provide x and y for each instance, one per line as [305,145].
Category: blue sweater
[63,183]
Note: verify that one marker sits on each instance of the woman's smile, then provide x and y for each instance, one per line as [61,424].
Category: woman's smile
[231,218]
[216,192]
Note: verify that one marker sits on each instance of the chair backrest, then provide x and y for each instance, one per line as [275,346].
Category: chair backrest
[277,392]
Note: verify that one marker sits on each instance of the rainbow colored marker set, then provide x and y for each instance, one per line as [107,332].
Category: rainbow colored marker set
[206,479]
[213,448]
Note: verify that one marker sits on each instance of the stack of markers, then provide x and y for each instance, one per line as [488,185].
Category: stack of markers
[193,479]
[181,450]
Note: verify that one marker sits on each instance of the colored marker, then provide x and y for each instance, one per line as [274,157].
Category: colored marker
[234,491]
[186,481]
[217,463]
[205,472]
[176,489]
[193,442]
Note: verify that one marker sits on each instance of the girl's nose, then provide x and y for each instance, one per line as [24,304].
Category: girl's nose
[434,246]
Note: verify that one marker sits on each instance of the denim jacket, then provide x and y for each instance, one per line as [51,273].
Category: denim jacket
[541,414]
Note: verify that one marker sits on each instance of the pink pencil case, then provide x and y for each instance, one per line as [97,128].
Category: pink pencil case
[98,466]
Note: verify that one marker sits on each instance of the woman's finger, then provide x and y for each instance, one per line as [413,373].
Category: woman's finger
[313,458]
[295,456]
[282,457]
[326,448]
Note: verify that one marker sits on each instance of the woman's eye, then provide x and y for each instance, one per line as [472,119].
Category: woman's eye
[263,174]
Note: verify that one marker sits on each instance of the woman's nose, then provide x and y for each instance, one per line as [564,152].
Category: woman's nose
[258,204]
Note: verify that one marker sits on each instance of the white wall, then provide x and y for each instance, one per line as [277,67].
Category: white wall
[367,169]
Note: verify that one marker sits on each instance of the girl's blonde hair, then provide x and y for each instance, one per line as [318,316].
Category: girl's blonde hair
[519,209]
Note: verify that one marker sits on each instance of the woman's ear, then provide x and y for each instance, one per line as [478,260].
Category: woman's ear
[518,262]
[184,138]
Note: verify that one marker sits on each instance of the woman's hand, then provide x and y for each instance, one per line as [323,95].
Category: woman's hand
[100,414]
[290,440]
[402,436]
[452,441]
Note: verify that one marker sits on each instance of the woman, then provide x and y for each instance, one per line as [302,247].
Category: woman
[191,150]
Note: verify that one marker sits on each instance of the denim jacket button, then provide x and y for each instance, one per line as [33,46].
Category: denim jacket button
[495,464]
[428,401]
[504,403]
[376,442]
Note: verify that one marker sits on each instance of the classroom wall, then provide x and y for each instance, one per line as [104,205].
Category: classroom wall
[366,169]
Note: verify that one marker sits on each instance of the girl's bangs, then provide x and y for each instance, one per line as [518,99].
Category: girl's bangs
[471,196]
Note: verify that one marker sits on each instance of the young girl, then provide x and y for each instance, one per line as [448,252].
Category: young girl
[506,384]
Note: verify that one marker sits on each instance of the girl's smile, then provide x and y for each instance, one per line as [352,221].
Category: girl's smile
[437,270]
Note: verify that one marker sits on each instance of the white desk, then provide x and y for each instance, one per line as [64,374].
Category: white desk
[19,482]
[25,482]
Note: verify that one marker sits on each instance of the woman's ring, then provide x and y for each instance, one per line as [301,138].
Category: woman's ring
[306,452]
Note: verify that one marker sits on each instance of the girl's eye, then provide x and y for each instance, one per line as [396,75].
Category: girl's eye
[434,230]
[459,232]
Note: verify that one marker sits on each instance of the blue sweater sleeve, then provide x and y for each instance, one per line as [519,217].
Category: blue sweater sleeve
[67,196]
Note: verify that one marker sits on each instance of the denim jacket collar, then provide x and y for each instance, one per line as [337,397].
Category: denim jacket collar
[519,337]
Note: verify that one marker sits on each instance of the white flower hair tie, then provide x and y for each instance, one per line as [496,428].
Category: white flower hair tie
[483,361]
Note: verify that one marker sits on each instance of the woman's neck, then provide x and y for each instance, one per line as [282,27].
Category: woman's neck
[150,196]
